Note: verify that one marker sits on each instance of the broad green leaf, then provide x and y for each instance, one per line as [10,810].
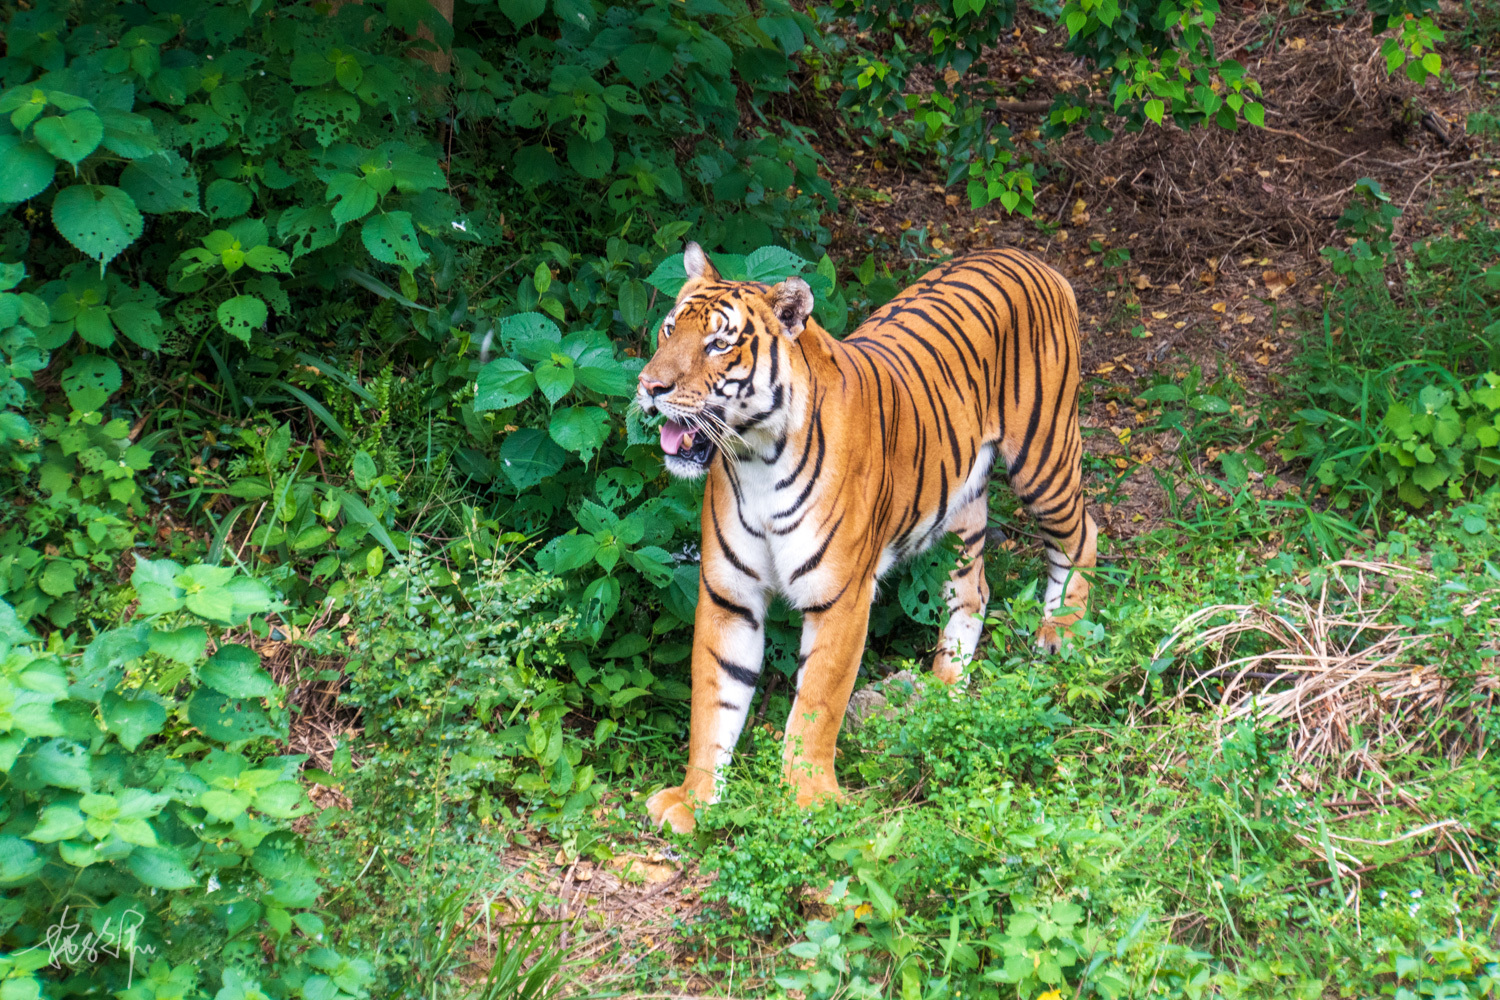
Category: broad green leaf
[90,380]
[329,113]
[227,720]
[566,553]
[283,800]
[580,429]
[522,12]
[633,303]
[129,135]
[132,721]
[57,822]
[391,239]
[72,136]
[139,323]
[590,159]
[503,382]
[160,868]
[26,169]
[236,671]
[529,456]
[242,315]
[773,263]
[226,199]
[62,764]
[308,229]
[554,376]
[18,864]
[99,220]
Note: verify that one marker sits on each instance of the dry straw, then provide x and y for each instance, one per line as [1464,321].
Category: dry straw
[1350,685]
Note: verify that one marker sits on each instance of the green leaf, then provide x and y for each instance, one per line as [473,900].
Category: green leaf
[132,721]
[1255,114]
[633,302]
[236,671]
[329,113]
[773,263]
[228,720]
[534,166]
[139,323]
[555,378]
[529,456]
[308,229]
[391,239]
[283,800]
[580,429]
[90,380]
[70,137]
[62,764]
[242,315]
[129,135]
[503,382]
[99,220]
[601,599]
[160,868]
[590,159]
[227,199]
[26,169]
[522,12]
[57,822]
[365,472]
[566,553]
[1155,110]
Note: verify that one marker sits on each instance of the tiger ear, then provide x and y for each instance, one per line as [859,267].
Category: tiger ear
[697,264]
[792,301]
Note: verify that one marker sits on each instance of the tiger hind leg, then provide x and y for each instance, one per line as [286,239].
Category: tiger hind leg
[1072,549]
[967,591]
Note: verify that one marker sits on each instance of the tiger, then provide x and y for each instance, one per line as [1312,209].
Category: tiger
[830,461]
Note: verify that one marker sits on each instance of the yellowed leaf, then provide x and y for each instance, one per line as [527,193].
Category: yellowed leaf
[1104,369]
[1219,307]
[1244,319]
[1158,315]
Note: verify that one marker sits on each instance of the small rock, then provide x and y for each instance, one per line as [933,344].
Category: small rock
[866,704]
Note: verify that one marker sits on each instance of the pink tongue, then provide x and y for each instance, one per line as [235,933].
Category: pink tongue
[672,434]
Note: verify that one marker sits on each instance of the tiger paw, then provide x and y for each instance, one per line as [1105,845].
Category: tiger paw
[672,807]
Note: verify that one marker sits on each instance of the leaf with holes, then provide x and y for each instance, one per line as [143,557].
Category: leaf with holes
[70,137]
[26,168]
[242,314]
[329,113]
[98,219]
[308,229]
[391,239]
[163,183]
[89,381]
[227,199]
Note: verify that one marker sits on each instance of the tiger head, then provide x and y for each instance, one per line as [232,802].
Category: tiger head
[720,368]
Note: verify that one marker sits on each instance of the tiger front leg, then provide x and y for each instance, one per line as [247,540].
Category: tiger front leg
[728,643]
[833,641]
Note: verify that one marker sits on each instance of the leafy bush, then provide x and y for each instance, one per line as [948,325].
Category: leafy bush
[142,807]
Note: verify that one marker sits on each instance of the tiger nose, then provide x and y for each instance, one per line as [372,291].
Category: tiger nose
[653,387]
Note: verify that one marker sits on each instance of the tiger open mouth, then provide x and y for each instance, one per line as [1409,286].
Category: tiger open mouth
[687,444]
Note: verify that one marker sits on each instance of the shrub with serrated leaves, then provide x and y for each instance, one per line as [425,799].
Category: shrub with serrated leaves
[146,848]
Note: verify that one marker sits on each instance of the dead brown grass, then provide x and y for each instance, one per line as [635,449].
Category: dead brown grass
[1350,686]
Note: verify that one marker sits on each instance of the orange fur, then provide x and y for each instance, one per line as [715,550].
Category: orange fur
[830,461]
